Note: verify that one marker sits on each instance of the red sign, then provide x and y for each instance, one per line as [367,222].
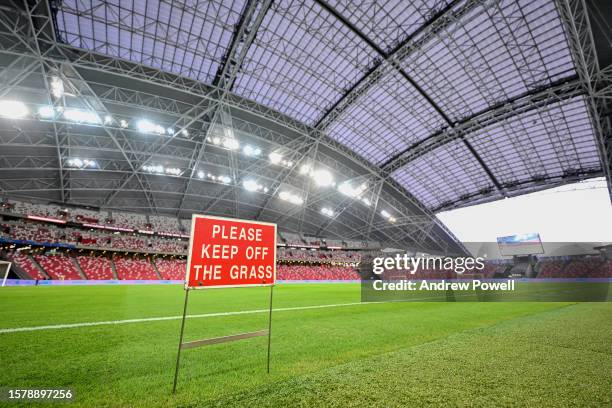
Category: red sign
[225,252]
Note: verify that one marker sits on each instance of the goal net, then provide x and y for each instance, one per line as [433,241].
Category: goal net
[5,267]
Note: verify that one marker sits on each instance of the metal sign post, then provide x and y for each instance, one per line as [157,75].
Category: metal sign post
[226,253]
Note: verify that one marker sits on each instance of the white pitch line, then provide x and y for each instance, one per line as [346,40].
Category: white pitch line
[157,319]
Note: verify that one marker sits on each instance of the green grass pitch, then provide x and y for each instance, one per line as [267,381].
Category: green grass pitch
[385,355]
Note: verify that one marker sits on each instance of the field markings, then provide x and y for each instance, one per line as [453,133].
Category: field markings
[157,319]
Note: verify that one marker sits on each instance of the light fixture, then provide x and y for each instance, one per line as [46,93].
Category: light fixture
[366,201]
[347,189]
[146,126]
[153,168]
[81,116]
[251,185]
[305,169]
[46,112]
[200,174]
[249,150]
[322,178]
[108,119]
[388,216]
[173,171]
[275,158]
[170,131]
[123,123]
[230,143]
[327,211]
[224,179]
[185,132]
[290,197]
[13,109]
[57,87]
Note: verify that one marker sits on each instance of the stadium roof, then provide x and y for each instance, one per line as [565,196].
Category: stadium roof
[428,105]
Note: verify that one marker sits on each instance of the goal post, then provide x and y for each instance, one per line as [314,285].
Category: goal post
[5,268]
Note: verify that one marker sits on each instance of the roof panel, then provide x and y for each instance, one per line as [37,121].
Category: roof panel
[175,36]
[302,60]
[385,120]
[541,143]
[498,51]
[388,22]
[443,175]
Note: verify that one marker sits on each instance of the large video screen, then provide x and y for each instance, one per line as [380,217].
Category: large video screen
[521,244]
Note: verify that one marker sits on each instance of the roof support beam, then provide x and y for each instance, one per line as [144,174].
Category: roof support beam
[597,83]
[559,91]
[394,61]
[91,61]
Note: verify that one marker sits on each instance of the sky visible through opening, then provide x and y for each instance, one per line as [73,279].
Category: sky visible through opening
[579,212]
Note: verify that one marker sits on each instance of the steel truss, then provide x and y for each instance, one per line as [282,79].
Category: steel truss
[199,115]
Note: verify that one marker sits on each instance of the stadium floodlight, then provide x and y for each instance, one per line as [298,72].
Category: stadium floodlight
[123,123]
[388,216]
[57,87]
[305,169]
[347,189]
[75,162]
[173,171]
[154,168]
[108,119]
[82,116]
[366,201]
[230,143]
[290,197]
[200,174]
[275,158]
[185,132]
[146,126]
[327,211]
[46,112]
[251,185]
[13,109]
[170,131]
[224,179]
[322,178]
[249,150]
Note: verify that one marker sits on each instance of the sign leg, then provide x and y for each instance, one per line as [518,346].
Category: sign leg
[270,326]
[178,355]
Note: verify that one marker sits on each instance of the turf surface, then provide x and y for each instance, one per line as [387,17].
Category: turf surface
[397,354]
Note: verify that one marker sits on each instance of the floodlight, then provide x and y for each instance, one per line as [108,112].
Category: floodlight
[146,126]
[57,87]
[347,189]
[173,171]
[185,132]
[275,158]
[75,162]
[305,169]
[81,116]
[251,151]
[225,179]
[108,119]
[292,198]
[170,131]
[385,214]
[327,211]
[230,143]
[251,185]
[46,112]
[322,178]
[123,123]
[200,174]
[13,109]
